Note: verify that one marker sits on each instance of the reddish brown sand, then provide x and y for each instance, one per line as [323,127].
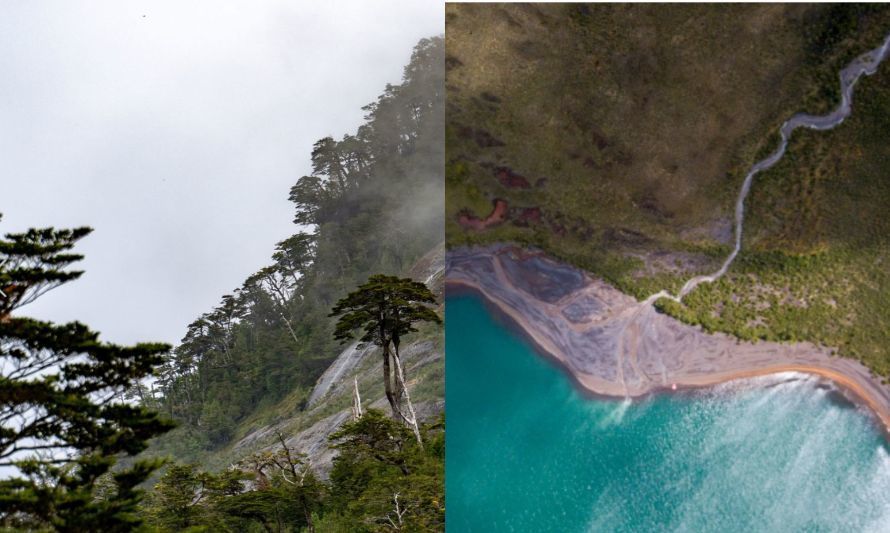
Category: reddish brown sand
[615,346]
[498,214]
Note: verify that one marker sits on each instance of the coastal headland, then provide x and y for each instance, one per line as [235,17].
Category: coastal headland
[613,345]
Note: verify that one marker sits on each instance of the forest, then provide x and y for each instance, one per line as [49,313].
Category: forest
[360,212]
[371,206]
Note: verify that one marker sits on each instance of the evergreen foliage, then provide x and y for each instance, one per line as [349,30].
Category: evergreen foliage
[371,204]
[386,308]
[381,481]
[63,417]
[72,405]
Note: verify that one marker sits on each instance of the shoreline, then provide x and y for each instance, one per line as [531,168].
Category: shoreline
[702,368]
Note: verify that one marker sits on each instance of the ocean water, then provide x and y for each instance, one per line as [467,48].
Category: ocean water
[527,452]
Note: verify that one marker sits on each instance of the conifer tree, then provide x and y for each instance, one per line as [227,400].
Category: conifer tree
[386,308]
[63,422]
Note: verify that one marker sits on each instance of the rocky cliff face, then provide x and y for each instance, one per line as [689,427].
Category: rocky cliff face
[328,405]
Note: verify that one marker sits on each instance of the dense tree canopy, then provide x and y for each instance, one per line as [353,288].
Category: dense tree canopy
[72,405]
[371,204]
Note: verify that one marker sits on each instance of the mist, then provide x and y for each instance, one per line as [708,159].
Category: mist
[175,131]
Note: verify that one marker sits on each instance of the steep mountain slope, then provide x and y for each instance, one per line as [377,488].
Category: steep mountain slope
[329,403]
[265,360]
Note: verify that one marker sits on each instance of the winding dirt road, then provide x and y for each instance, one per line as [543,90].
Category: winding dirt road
[864,65]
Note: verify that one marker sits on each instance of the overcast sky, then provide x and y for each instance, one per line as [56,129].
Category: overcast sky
[175,129]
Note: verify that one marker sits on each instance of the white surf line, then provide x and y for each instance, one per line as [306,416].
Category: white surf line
[866,64]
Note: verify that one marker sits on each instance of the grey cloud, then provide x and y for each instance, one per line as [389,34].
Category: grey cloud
[177,136]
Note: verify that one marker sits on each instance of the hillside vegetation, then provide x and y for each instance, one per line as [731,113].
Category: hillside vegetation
[239,383]
[617,137]
[814,263]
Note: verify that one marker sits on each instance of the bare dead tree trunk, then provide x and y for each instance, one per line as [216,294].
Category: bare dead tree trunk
[291,464]
[280,296]
[289,327]
[399,513]
[356,401]
[411,418]
[399,384]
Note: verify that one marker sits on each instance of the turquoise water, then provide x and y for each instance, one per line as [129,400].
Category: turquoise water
[527,452]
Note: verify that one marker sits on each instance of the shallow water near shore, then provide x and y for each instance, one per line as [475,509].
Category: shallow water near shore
[526,451]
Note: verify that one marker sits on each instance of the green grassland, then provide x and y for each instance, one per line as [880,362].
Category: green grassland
[634,125]
[816,259]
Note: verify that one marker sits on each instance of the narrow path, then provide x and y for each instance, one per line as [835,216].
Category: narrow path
[866,64]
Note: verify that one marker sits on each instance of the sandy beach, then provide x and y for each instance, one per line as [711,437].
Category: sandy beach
[614,346]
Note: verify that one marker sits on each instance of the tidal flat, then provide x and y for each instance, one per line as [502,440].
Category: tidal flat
[529,451]
[612,345]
